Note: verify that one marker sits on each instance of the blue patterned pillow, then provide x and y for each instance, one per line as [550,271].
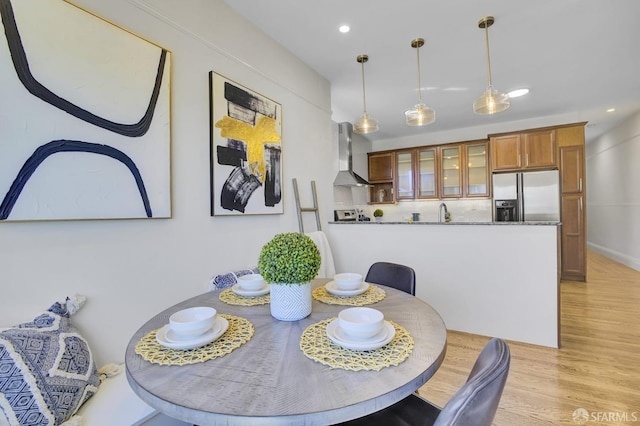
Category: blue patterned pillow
[229,279]
[46,369]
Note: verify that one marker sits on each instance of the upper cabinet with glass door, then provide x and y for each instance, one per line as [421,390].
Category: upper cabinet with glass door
[476,183]
[427,173]
[450,172]
[404,180]
[430,172]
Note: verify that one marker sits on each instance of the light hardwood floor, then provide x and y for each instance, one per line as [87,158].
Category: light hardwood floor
[597,367]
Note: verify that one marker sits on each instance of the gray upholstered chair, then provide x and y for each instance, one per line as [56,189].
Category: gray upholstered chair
[393,275]
[475,403]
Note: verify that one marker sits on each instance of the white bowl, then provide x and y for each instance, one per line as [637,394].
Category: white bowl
[192,321]
[361,322]
[347,280]
[251,282]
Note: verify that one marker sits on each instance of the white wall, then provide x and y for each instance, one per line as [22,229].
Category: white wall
[613,193]
[131,269]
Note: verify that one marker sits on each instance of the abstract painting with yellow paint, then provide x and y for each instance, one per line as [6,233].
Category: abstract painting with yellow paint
[246,150]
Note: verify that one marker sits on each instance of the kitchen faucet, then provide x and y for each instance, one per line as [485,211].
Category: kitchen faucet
[442,205]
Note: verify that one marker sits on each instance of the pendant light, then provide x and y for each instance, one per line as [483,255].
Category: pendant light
[420,114]
[491,101]
[364,124]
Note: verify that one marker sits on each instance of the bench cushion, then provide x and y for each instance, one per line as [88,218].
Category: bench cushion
[115,404]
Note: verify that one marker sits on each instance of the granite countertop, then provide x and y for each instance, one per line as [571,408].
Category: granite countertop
[446,223]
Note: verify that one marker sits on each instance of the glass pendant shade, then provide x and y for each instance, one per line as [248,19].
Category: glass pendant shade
[491,101]
[420,114]
[366,123]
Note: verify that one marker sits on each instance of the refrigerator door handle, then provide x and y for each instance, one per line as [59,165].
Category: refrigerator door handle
[520,193]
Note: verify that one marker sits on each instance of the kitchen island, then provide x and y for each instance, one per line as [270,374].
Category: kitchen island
[490,278]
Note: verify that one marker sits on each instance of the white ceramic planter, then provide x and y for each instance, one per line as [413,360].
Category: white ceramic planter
[290,302]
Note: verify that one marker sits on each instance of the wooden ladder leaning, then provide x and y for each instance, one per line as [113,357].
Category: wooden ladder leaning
[301,210]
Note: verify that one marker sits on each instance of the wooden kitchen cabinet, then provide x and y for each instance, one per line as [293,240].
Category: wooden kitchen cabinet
[382,174]
[573,214]
[540,149]
[381,193]
[381,166]
[506,152]
[572,166]
[430,172]
[573,245]
[524,151]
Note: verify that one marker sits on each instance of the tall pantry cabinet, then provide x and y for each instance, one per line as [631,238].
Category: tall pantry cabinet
[572,203]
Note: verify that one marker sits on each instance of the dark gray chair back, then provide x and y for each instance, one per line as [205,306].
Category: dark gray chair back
[393,275]
[477,401]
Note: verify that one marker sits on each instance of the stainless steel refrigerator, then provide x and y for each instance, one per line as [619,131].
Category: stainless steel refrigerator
[526,196]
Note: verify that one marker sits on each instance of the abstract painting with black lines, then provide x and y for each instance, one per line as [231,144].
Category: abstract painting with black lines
[85,117]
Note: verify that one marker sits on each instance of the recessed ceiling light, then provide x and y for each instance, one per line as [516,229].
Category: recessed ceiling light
[517,93]
[344,29]
[611,109]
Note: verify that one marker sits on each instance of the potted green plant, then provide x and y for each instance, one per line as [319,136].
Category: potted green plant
[378,213]
[288,263]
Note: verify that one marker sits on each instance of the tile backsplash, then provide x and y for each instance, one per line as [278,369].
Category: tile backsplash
[461,210]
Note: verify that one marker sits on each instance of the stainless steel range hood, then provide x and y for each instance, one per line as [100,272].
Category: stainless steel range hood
[346,175]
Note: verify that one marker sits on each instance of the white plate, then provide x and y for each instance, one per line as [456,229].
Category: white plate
[216,331]
[362,345]
[333,289]
[250,293]
[172,336]
[343,336]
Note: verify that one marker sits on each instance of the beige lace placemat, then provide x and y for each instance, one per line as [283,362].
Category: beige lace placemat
[239,332]
[230,297]
[315,344]
[372,295]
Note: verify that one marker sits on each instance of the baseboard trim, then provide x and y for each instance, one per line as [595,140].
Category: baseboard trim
[615,255]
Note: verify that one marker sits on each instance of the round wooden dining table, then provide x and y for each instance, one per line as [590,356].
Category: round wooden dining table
[270,381]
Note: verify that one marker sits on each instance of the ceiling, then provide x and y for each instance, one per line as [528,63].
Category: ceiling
[578,57]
